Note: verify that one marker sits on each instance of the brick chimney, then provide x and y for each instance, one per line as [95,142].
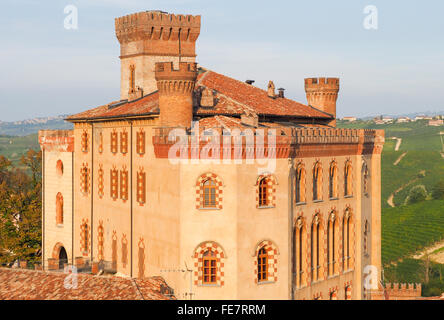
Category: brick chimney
[322,93]
[176,93]
[149,37]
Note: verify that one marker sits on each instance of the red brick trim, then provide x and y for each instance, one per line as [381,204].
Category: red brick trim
[85,238]
[271,189]
[85,183]
[100,241]
[272,252]
[200,190]
[56,250]
[220,262]
[101,182]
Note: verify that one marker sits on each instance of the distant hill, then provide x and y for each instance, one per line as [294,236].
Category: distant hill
[32,126]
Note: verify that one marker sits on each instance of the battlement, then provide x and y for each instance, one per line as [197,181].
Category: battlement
[156,25]
[403,291]
[166,71]
[322,83]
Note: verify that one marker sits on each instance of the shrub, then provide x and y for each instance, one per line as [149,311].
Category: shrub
[416,194]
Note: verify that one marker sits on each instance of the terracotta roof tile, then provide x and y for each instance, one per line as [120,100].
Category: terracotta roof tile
[232,97]
[240,95]
[20,284]
[146,105]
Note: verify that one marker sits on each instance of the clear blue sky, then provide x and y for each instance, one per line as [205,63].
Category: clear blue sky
[399,68]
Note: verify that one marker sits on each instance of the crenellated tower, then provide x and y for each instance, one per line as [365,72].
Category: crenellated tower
[322,93]
[150,37]
[176,88]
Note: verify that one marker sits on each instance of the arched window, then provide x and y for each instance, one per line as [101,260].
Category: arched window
[209,267]
[316,249]
[59,209]
[332,240]
[348,179]
[59,168]
[209,192]
[210,189]
[262,265]
[300,252]
[266,191]
[263,193]
[265,261]
[300,184]
[333,181]
[209,260]
[347,240]
[317,183]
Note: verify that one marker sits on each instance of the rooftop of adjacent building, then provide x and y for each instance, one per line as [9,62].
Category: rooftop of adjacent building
[22,284]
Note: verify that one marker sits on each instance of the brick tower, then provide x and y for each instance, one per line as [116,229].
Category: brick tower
[322,93]
[149,37]
[176,93]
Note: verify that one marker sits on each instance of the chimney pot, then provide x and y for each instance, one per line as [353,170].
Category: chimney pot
[281,92]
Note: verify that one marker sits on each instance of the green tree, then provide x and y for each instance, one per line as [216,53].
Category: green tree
[20,210]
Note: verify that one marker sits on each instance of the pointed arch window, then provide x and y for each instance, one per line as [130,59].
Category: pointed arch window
[332,244]
[347,240]
[333,181]
[316,247]
[300,184]
[299,264]
[317,183]
[348,179]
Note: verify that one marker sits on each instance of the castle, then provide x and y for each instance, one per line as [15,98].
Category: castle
[215,223]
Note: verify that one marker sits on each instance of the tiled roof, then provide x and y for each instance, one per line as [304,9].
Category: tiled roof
[20,284]
[147,105]
[236,96]
[232,98]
